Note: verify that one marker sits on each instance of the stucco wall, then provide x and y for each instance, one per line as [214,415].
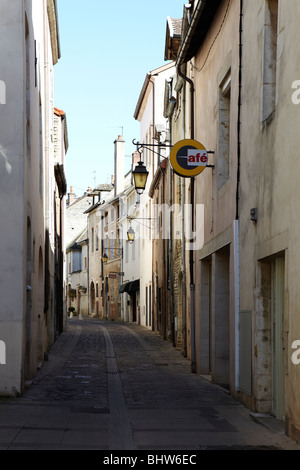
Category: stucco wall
[269,182]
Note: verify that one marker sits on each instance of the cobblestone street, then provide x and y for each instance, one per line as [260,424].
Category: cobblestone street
[111,386]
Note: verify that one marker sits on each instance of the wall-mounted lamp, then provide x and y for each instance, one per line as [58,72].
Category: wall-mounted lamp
[140,175]
[104,258]
[131,232]
[130,235]
[105,255]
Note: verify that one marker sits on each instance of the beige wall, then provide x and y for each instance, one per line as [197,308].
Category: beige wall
[269,182]
[215,188]
[26,115]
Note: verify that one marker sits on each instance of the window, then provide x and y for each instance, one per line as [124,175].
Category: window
[76,261]
[97,238]
[112,245]
[92,237]
[112,290]
[269,59]
[106,245]
[146,305]
[224,131]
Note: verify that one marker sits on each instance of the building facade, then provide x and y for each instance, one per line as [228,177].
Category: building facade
[268,209]
[32,179]
[154,140]
[237,92]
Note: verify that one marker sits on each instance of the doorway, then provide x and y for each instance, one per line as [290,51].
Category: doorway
[277,336]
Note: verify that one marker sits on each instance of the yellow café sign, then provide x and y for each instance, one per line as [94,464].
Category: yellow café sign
[188,158]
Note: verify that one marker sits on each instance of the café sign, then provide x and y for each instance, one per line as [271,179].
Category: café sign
[188,158]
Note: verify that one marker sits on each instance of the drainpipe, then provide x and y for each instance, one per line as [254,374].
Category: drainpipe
[180,61]
[239,110]
[183,240]
[236,222]
[151,314]
[171,237]
[192,201]
[164,301]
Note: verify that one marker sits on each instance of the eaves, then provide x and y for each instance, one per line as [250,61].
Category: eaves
[54,30]
[156,179]
[200,23]
[62,115]
[143,93]
[93,207]
[60,179]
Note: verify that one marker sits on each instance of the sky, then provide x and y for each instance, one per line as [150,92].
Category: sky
[107,49]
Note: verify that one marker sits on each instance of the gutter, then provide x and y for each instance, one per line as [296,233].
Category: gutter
[53,26]
[180,62]
[189,36]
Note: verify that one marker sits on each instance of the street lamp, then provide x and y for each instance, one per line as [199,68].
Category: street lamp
[105,255]
[104,258]
[140,175]
[130,235]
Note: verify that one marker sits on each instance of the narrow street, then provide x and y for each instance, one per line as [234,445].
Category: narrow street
[111,386]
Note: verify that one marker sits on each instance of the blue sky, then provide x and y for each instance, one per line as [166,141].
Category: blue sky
[107,48]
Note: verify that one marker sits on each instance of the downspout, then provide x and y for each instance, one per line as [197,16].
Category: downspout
[192,201]
[153,121]
[61,310]
[151,314]
[163,314]
[236,222]
[239,110]
[183,240]
[180,60]
[171,237]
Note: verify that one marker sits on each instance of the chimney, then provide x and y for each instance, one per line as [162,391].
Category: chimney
[71,196]
[119,165]
[135,159]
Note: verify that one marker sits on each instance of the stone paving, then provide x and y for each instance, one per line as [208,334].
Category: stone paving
[115,386]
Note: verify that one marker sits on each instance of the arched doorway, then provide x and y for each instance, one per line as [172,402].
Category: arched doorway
[40,310]
[28,301]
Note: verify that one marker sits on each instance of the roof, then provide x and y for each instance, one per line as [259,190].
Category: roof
[130,287]
[54,33]
[145,86]
[83,237]
[104,187]
[197,29]
[157,176]
[74,244]
[59,112]
[94,206]
[173,38]
[62,114]
[60,179]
